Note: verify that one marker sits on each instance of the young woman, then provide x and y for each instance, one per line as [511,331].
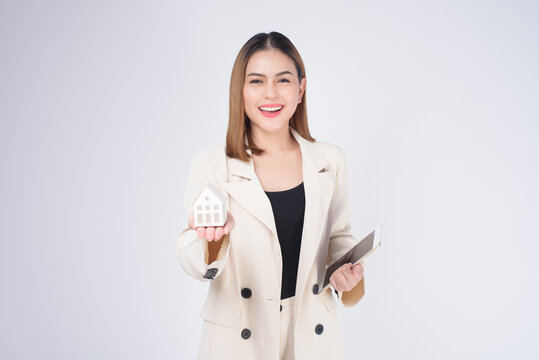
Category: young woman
[287,219]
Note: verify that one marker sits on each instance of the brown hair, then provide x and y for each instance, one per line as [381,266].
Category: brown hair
[239,125]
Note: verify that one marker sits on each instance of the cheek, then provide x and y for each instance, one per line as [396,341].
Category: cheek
[292,101]
[249,96]
[249,103]
[291,95]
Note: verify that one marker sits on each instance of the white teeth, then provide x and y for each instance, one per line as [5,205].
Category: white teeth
[270,108]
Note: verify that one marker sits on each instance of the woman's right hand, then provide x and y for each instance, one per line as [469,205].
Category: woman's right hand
[212,233]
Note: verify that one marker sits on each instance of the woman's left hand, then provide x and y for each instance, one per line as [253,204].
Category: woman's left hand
[346,277]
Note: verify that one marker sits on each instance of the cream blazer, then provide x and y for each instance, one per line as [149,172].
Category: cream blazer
[241,312]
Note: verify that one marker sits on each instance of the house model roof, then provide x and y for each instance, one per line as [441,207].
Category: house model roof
[210,190]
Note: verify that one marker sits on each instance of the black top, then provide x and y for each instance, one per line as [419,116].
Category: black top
[289,210]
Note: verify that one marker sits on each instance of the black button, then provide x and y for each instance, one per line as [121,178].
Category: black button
[315,289]
[210,273]
[246,293]
[319,329]
[281,308]
[246,333]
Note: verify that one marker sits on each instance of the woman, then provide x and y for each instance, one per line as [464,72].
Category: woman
[287,219]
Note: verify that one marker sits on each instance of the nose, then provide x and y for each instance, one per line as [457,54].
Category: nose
[270,92]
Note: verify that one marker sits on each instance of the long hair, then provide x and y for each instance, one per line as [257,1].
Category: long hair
[239,126]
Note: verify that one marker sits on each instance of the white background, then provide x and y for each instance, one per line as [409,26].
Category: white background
[103,104]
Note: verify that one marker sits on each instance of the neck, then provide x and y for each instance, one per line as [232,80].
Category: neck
[273,142]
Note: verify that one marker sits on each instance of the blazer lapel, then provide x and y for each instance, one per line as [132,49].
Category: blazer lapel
[245,188]
[319,184]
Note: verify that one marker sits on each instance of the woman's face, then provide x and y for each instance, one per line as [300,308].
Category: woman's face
[271,83]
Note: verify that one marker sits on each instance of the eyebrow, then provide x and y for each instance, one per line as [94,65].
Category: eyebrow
[278,74]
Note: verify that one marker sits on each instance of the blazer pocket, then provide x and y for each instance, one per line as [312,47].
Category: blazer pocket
[224,314]
[329,301]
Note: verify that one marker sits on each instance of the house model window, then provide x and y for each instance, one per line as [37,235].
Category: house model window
[209,207]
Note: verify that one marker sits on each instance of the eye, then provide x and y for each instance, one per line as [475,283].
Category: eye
[286,80]
[253,81]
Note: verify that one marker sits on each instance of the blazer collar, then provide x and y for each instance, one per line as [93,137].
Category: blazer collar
[309,152]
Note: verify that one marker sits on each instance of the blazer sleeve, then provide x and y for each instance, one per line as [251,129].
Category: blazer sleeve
[341,238]
[192,251]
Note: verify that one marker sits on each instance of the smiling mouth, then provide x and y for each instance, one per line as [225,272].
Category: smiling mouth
[270,109]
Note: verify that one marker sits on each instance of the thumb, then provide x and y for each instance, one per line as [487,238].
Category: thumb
[191,220]
[230,223]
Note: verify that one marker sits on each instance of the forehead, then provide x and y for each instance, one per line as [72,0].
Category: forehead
[269,62]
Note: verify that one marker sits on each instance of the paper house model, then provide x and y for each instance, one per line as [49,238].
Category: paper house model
[209,207]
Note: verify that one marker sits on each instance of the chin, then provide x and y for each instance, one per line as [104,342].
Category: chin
[268,126]
[271,124]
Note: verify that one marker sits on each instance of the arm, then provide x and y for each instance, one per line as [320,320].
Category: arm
[199,258]
[341,238]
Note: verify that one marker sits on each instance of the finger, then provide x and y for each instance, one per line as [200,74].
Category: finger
[191,220]
[340,281]
[231,220]
[333,283]
[351,277]
[346,275]
[210,231]
[340,269]
[201,232]
[343,267]
[346,269]
[218,233]
[358,271]
[230,223]
[345,281]
[361,269]
[355,276]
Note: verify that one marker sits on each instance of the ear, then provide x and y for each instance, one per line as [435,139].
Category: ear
[302,85]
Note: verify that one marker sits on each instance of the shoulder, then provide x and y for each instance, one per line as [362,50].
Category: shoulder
[332,150]
[333,153]
[211,160]
[210,154]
